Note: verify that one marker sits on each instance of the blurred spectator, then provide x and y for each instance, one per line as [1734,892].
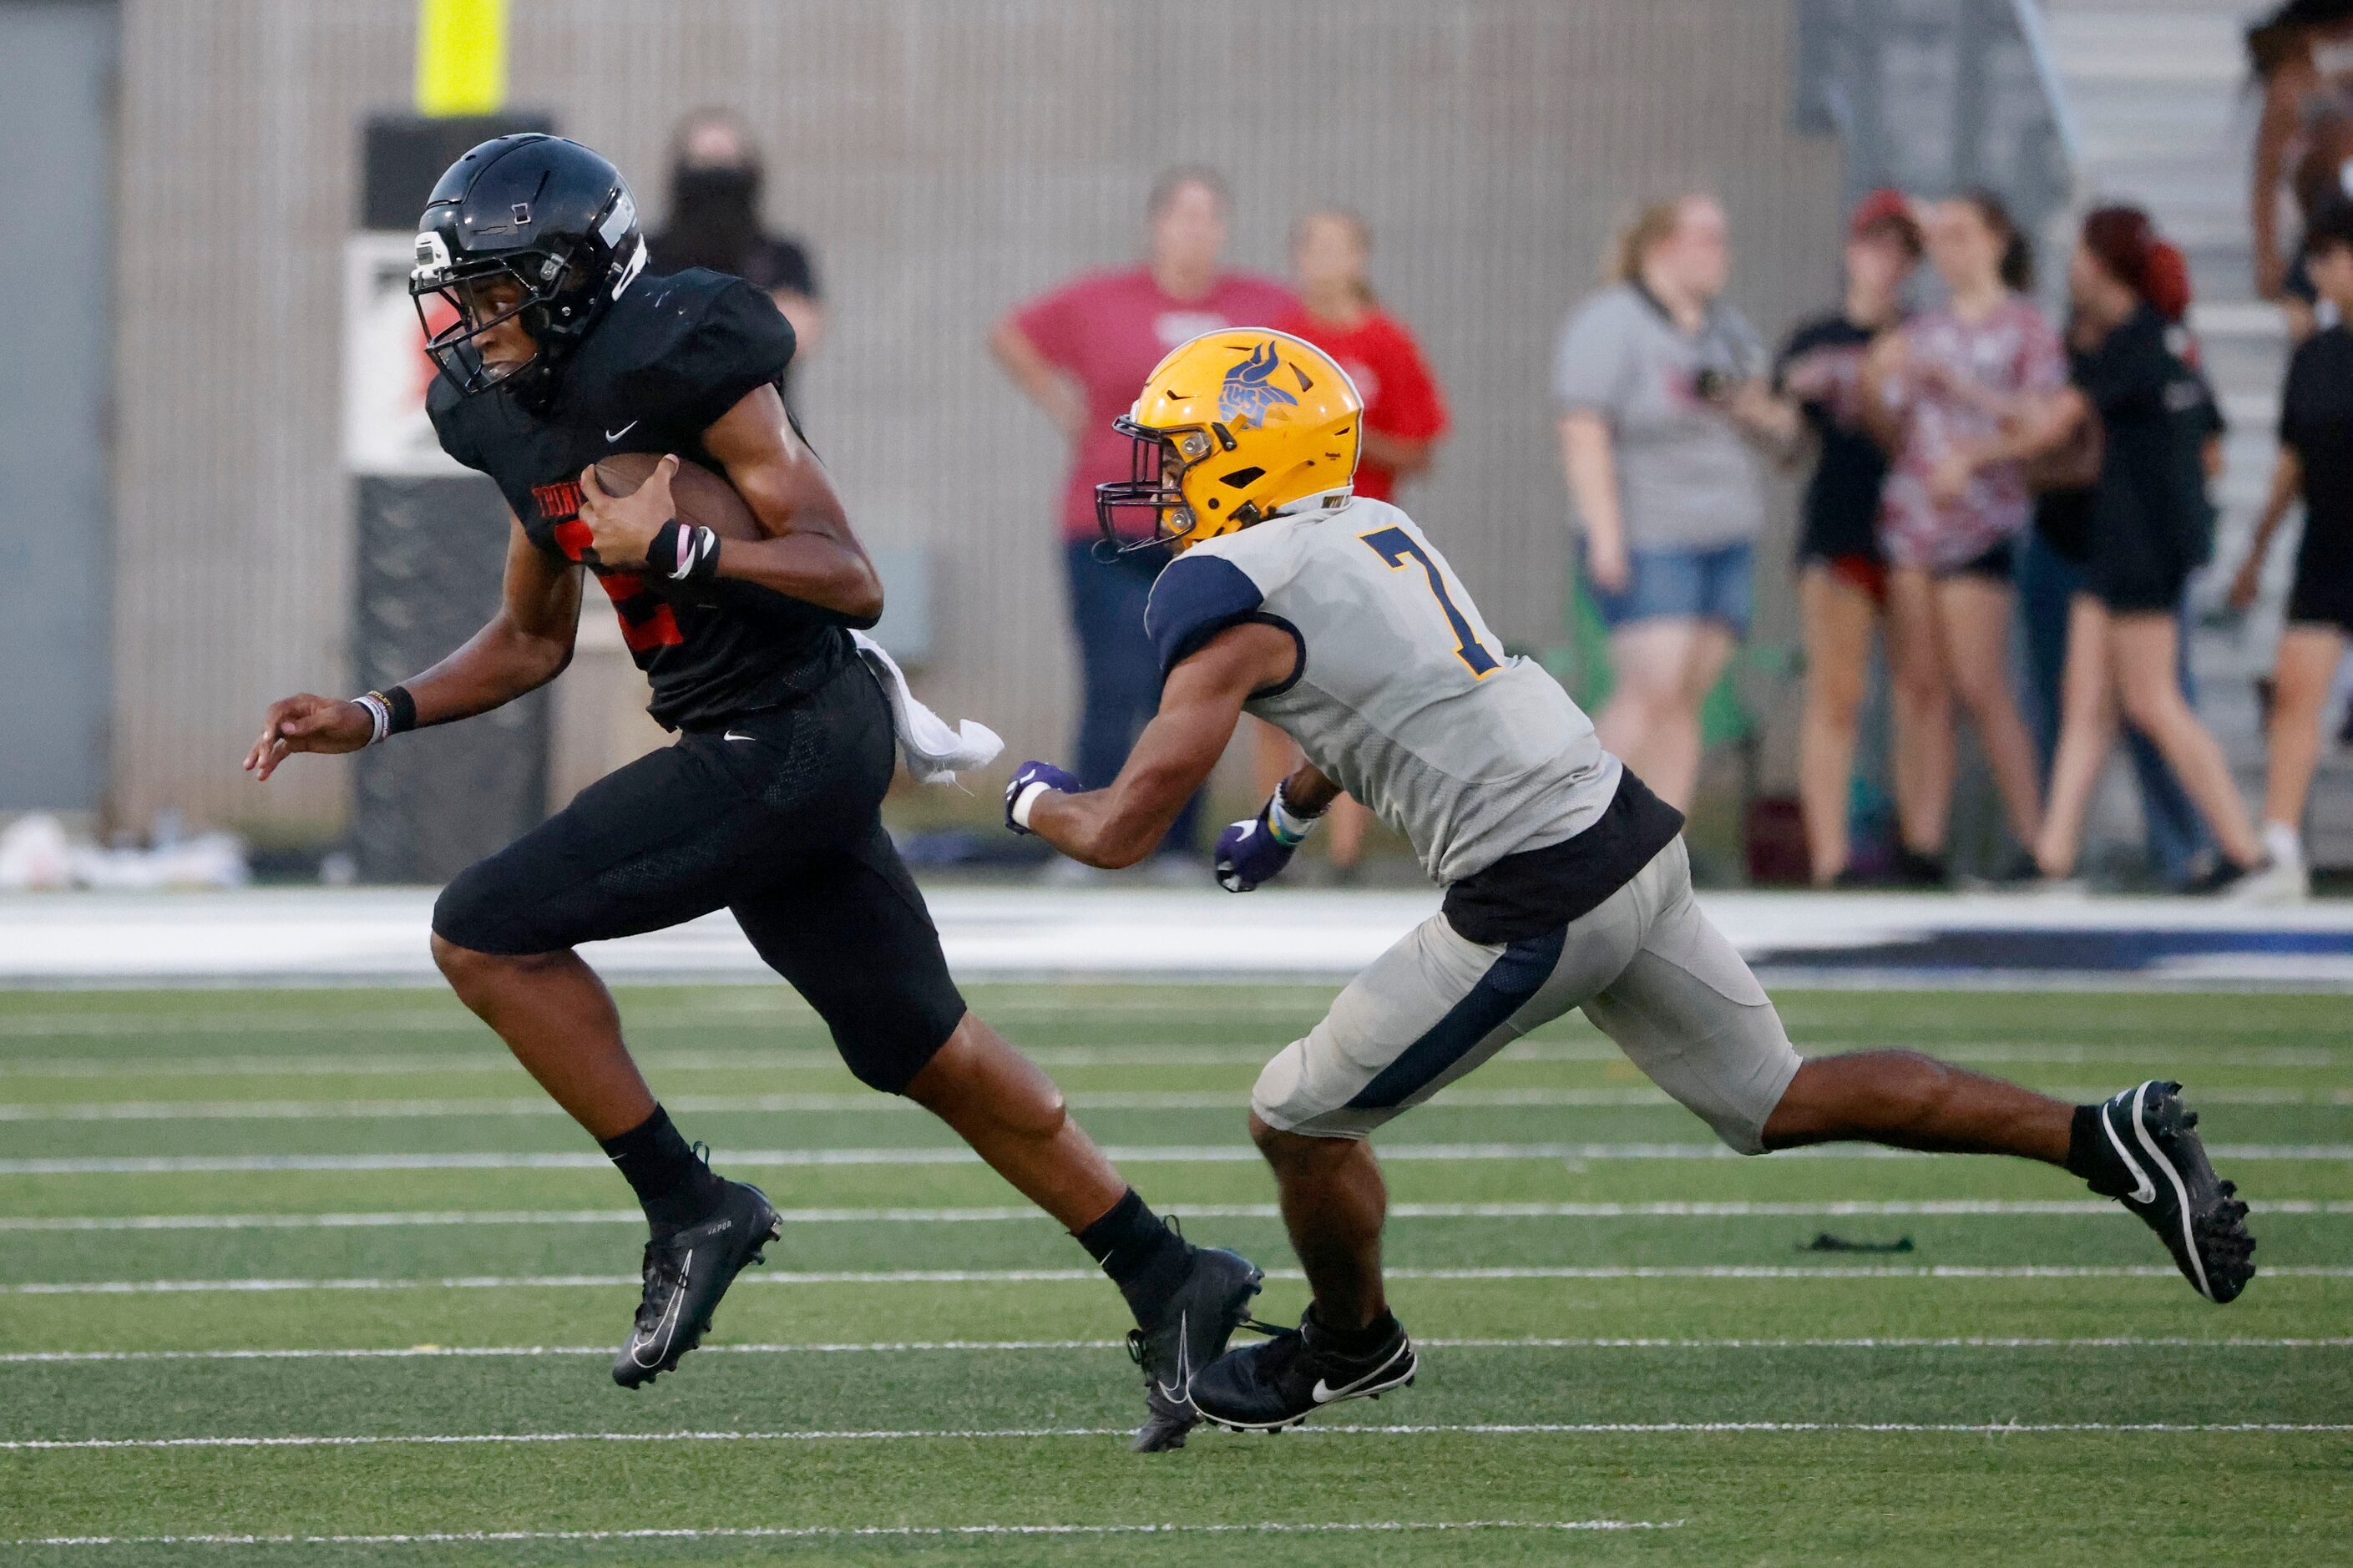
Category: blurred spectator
[2315,463]
[1656,380]
[2051,564]
[2149,527]
[714,222]
[1841,579]
[1082,353]
[1405,418]
[1941,388]
[2302,54]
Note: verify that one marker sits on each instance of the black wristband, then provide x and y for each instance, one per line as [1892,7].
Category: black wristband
[684,555]
[403,709]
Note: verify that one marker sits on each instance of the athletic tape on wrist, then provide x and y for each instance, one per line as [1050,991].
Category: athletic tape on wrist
[1288,827]
[684,555]
[379,714]
[1026,800]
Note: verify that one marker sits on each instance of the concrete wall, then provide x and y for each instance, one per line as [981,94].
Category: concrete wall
[946,158]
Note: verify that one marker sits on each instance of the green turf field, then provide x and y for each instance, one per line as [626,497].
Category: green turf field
[253,1285]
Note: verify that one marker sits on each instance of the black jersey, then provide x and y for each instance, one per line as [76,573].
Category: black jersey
[2316,422]
[672,355]
[1842,504]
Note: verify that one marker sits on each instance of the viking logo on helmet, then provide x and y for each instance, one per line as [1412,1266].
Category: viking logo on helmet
[1245,395]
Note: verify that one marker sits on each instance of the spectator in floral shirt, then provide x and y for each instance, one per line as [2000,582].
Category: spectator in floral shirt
[1955,392]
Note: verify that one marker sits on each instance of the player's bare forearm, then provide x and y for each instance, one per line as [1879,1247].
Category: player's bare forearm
[1119,825]
[810,553]
[1307,791]
[526,645]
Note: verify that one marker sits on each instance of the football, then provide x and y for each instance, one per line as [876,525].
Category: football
[703,498]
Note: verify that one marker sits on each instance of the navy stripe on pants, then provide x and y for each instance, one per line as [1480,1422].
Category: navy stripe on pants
[1509,984]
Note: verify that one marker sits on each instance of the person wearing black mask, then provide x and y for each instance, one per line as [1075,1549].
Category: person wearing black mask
[714,222]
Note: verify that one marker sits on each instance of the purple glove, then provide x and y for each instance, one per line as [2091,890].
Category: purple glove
[1250,853]
[1031,780]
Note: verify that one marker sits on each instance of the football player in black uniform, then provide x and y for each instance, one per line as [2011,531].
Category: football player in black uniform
[556,349]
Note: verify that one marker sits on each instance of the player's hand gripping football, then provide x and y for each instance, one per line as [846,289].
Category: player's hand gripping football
[308,723]
[622,528]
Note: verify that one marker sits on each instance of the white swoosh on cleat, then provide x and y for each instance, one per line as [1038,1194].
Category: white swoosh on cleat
[668,1328]
[2147,1191]
[1184,1389]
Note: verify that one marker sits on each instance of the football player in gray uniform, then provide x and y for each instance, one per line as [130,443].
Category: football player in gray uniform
[1566,883]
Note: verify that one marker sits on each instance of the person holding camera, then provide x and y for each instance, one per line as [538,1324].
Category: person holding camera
[1659,387]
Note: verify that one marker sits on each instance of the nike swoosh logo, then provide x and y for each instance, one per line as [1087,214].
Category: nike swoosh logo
[665,1331]
[1324,1392]
[616,435]
[732,735]
[1177,1394]
[2147,1191]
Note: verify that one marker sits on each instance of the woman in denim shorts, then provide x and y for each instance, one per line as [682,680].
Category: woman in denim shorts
[1658,385]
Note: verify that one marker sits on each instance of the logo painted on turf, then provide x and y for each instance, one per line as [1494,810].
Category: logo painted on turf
[1245,395]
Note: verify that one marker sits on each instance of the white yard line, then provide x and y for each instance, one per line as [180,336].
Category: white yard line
[1025,1214]
[1141,1153]
[855,1532]
[39,1444]
[260,1286]
[487,1057]
[524,1353]
[1234,1100]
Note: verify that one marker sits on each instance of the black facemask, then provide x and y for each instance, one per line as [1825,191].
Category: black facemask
[714,218]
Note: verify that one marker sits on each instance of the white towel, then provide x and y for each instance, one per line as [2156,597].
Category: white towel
[935,748]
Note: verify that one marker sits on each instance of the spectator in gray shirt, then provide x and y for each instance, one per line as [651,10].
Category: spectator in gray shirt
[1658,386]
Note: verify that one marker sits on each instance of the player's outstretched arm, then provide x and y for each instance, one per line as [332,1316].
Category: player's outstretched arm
[1199,707]
[525,645]
[810,553]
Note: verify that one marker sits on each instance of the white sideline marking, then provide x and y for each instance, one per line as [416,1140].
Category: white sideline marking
[1597,1428]
[1023,1213]
[1018,1276]
[848,1532]
[1137,1154]
[520,1352]
[1235,1099]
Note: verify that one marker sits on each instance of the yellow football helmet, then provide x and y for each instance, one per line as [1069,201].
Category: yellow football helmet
[1234,427]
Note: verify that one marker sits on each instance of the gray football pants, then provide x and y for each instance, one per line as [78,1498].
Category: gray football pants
[1645,965]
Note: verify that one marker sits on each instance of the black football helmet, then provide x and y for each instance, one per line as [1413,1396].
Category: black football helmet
[545,213]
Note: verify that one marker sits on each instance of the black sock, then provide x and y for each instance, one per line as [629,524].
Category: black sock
[672,1185]
[1359,1342]
[1143,1258]
[2091,1156]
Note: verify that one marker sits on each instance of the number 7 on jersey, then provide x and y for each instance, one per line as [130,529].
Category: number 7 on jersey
[1396,547]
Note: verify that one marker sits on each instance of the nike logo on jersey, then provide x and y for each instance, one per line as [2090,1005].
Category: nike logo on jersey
[616,435]
[732,735]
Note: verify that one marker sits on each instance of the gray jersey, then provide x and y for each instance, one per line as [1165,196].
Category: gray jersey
[1404,697]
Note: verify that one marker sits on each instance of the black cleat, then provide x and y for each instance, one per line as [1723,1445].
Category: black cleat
[686,1273]
[2197,1217]
[1266,1387]
[1189,1331]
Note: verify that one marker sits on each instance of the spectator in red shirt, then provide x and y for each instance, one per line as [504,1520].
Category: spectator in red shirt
[1405,418]
[1080,352]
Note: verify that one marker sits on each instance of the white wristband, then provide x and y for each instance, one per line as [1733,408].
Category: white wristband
[1027,799]
[1290,827]
[379,713]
